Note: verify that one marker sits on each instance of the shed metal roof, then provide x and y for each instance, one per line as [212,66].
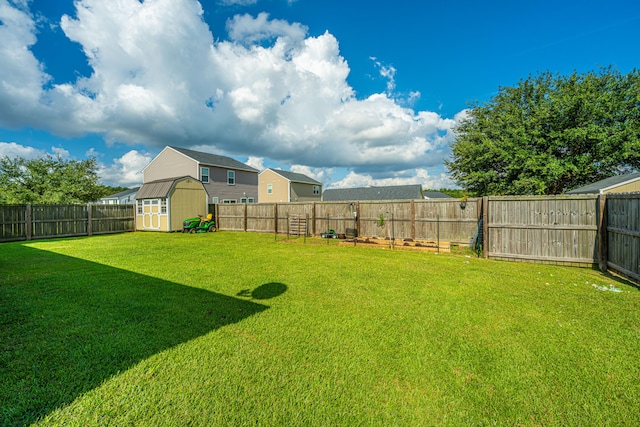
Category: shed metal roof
[159,188]
[397,192]
[214,159]
[605,184]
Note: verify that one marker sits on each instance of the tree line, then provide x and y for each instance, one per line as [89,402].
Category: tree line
[50,179]
[550,133]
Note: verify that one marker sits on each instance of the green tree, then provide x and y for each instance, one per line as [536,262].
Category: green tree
[549,134]
[48,180]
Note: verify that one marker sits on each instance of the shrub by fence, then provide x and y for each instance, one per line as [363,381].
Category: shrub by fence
[27,222]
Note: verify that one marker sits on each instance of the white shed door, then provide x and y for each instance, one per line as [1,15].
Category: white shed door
[151,214]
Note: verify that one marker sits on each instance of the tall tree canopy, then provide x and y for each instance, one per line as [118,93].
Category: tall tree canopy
[549,134]
[48,180]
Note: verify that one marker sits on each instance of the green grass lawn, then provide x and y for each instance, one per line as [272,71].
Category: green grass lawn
[240,329]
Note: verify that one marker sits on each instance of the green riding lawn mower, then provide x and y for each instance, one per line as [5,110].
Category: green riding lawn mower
[199,224]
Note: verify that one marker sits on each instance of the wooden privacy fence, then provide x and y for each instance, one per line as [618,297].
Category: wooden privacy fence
[555,229]
[577,230]
[415,219]
[27,222]
[622,237]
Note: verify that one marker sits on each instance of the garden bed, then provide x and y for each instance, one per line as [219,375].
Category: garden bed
[401,244]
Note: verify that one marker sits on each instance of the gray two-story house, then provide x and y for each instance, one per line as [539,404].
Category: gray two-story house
[226,180]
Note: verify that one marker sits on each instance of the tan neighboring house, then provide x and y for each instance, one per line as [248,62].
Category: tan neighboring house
[163,204]
[276,185]
[225,180]
[629,183]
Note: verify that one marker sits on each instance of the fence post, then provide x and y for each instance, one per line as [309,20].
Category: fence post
[244,224]
[313,219]
[28,222]
[485,227]
[89,220]
[602,233]
[275,219]
[413,220]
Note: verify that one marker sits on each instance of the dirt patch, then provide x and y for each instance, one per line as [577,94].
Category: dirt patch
[401,244]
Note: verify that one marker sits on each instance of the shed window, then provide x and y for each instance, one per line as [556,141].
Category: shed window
[204,175]
[163,206]
[269,188]
[231,177]
[139,207]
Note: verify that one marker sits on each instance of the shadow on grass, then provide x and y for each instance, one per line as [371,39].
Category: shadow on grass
[67,325]
[266,291]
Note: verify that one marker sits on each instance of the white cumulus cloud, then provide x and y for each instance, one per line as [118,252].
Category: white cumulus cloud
[125,171]
[160,75]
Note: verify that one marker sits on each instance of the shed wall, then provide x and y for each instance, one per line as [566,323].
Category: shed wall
[188,199]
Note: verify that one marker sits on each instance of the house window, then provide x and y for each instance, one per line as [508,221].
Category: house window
[316,190]
[229,201]
[231,177]
[204,175]
[269,188]
[247,200]
[215,200]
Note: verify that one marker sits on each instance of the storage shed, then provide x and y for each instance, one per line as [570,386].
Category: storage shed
[164,204]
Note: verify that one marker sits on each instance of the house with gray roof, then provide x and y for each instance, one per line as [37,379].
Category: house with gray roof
[225,180]
[436,195]
[122,198]
[275,185]
[394,192]
[629,183]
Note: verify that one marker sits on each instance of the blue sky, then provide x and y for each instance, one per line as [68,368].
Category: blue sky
[352,93]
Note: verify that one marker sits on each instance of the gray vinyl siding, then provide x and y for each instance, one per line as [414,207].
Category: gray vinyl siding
[246,182]
[304,192]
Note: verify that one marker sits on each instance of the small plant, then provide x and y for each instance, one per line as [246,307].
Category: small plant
[380,221]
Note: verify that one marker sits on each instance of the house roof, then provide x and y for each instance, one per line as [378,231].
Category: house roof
[159,188]
[436,195]
[295,177]
[397,192]
[214,160]
[606,184]
[122,193]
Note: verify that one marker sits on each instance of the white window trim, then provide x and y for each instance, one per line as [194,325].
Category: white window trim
[203,175]
[269,188]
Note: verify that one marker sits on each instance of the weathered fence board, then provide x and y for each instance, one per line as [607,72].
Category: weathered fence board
[415,219]
[13,220]
[543,228]
[623,234]
[26,222]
